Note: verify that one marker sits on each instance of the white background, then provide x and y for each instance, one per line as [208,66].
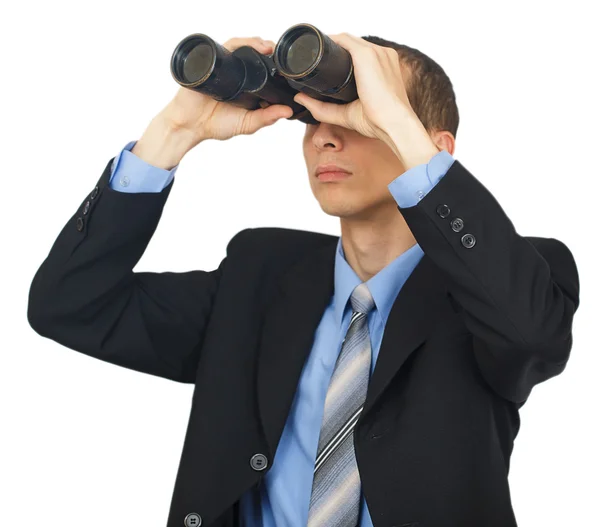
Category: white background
[87,443]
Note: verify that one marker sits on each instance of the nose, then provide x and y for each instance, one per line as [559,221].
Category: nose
[327,137]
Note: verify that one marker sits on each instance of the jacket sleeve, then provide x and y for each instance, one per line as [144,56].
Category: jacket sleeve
[517,294]
[86,296]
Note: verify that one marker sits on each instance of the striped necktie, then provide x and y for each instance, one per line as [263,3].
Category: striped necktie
[336,489]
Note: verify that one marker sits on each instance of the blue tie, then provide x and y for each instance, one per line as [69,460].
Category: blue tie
[336,490]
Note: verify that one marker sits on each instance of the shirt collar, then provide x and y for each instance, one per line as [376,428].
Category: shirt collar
[384,286]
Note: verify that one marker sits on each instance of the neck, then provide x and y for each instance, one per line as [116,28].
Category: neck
[371,244]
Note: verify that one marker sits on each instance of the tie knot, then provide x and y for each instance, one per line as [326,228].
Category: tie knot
[361,299]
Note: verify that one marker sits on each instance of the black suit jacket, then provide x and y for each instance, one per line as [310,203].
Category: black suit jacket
[484,317]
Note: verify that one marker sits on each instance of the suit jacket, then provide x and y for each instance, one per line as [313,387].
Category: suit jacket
[484,317]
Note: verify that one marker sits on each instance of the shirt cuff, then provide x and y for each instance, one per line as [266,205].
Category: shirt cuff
[132,174]
[413,185]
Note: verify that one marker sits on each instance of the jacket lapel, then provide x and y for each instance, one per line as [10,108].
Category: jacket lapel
[294,313]
[409,324]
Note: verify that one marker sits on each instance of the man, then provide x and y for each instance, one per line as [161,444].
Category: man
[369,379]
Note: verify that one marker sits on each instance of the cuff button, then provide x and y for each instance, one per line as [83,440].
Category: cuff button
[468,240]
[457,224]
[443,211]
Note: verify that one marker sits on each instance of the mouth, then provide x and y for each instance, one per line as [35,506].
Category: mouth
[331,173]
[333,176]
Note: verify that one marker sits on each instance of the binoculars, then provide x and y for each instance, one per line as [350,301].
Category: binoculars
[304,60]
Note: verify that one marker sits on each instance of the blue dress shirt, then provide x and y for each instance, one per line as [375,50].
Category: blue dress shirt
[286,489]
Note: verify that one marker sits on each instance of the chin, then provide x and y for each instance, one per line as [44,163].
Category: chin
[339,209]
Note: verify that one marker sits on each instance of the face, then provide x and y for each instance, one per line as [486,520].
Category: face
[372,164]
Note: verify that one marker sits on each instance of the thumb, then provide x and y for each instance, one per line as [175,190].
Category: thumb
[266,116]
[275,112]
[324,112]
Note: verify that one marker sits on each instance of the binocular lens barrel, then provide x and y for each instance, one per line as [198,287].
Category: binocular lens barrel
[308,57]
[301,52]
[202,64]
[192,60]
[197,62]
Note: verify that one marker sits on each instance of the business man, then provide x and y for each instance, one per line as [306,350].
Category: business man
[369,379]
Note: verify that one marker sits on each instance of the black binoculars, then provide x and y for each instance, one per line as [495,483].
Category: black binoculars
[304,60]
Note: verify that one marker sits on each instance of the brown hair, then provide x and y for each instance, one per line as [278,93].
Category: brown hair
[429,89]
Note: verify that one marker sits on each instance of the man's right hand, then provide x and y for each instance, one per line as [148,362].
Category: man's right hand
[205,118]
[192,117]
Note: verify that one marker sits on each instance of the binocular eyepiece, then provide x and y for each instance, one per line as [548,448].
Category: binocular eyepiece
[304,60]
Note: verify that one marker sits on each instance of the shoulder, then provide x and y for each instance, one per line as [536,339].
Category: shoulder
[561,264]
[264,255]
[276,247]
[278,240]
[555,251]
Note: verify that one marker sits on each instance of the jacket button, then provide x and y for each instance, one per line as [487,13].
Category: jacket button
[258,462]
[457,224]
[79,224]
[86,208]
[94,192]
[468,240]
[443,211]
[193,519]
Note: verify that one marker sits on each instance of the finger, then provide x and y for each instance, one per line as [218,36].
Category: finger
[348,41]
[263,46]
[262,117]
[268,46]
[325,112]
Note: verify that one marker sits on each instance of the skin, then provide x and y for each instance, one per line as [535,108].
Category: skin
[373,230]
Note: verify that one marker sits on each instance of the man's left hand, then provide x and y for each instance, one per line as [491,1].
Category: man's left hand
[382,110]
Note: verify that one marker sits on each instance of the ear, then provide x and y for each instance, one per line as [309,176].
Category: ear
[444,140]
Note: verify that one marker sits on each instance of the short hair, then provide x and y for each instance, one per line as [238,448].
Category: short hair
[429,89]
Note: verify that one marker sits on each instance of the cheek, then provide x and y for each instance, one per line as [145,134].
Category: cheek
[306,141]
[305,145]
[308,151]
